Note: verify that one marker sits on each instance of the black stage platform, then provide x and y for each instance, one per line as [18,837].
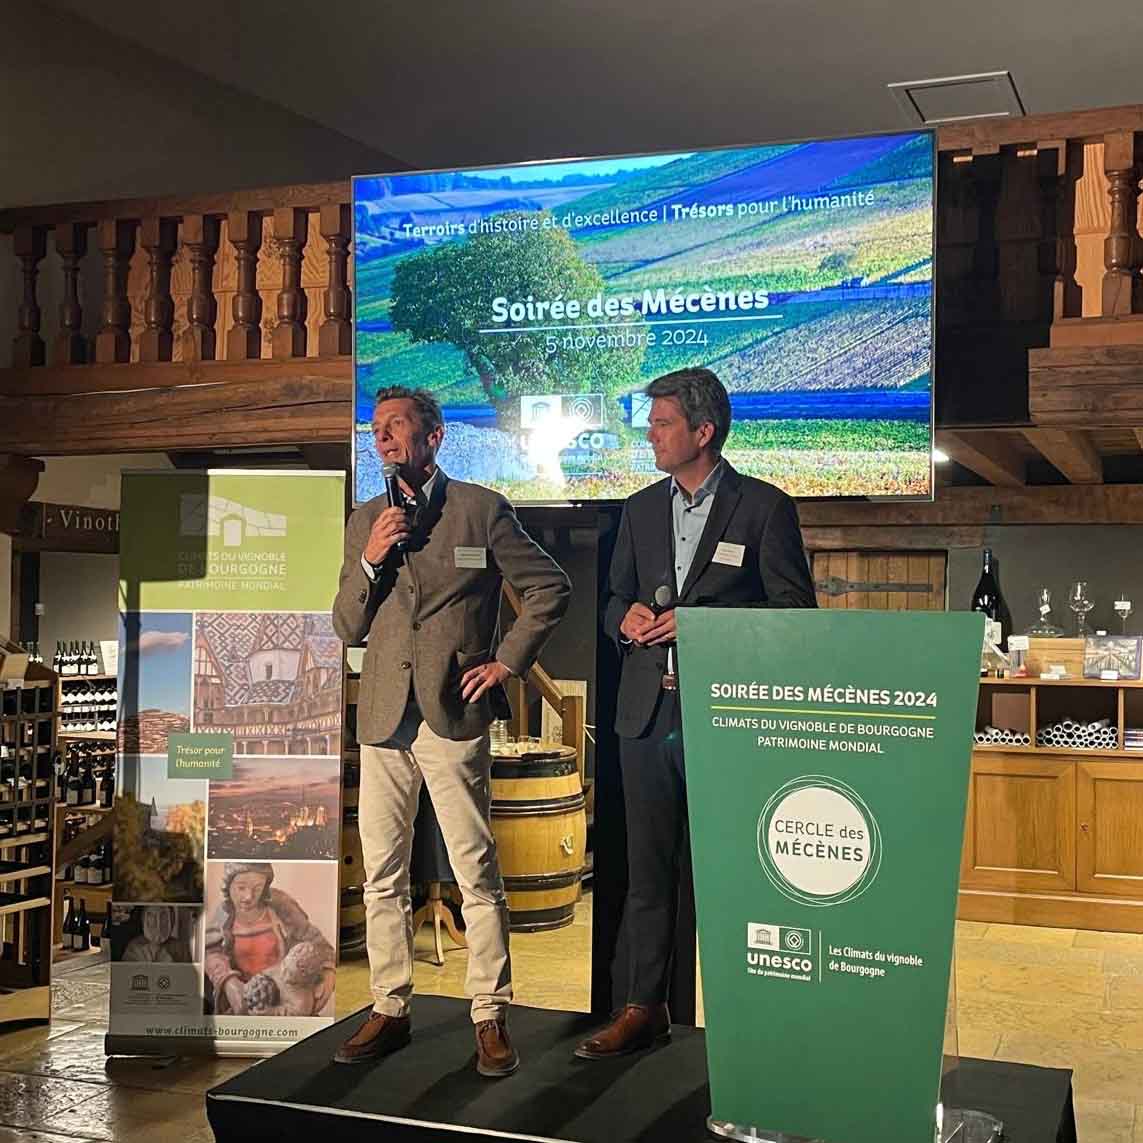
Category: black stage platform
[430,1090]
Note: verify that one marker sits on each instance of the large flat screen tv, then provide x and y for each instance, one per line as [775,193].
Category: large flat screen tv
[536,302]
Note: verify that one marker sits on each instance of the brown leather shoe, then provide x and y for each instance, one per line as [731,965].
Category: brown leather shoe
[634,1027]
[495,1055]
[377,1037]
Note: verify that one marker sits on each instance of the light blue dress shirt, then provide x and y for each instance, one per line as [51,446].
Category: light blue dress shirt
[689,515]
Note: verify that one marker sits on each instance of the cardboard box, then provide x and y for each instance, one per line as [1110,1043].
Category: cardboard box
[1044,653]
[13,661]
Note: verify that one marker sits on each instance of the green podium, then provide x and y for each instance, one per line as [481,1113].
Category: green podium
[828,757]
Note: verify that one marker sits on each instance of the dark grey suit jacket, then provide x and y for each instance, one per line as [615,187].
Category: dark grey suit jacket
[774,573]
[428,621]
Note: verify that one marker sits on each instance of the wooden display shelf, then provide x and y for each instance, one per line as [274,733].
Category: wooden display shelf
[1050,830]
[87,808]
[87,678]
[102,886]
[1036,681]
[89,735]
[1058,751]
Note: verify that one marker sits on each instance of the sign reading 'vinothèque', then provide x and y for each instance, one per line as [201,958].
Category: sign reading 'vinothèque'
[828,758]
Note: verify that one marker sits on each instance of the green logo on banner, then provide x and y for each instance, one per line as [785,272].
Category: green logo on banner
[818,841]
[200,756]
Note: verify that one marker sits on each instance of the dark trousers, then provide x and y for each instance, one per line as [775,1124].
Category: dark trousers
[658,855]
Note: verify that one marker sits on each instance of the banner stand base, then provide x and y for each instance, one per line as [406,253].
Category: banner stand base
[746,1134]
[965,1125]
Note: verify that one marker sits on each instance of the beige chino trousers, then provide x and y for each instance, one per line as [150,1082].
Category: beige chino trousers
[458,776]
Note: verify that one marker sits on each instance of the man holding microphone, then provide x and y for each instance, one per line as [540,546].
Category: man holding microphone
[423,584]
[705,537]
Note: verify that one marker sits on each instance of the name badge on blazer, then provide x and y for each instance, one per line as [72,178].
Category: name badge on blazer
[729,554]
[470,557]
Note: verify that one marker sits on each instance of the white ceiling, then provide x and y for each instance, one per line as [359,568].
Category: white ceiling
[460,82]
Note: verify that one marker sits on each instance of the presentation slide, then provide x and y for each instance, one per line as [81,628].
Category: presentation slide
[537,301]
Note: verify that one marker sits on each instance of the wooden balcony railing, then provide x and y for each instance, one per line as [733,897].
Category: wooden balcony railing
[225,319]
[222,319]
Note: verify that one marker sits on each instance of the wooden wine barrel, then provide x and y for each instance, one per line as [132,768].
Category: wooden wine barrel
[540,826]
[351,918]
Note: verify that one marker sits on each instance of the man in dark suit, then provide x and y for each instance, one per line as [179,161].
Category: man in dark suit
[706,537]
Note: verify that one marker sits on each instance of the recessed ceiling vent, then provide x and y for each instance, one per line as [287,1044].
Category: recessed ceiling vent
[958,98]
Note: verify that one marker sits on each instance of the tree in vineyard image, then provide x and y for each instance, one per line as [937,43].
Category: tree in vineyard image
[446,294]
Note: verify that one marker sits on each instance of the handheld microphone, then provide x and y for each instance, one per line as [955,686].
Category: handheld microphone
[393,491]
[664,596]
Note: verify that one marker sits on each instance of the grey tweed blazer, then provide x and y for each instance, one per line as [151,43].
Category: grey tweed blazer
[427,620]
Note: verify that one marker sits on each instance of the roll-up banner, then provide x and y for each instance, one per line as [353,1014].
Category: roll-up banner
[226,850]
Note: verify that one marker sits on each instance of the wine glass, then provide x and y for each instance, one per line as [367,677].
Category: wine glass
[1079,602]
[1123,609]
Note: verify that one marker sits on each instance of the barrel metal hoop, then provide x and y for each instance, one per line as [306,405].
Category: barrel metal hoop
[542,881]
[540,920]
[538,807]
[558,768]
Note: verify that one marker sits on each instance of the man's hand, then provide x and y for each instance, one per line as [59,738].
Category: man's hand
[638,620]
[476,680]
[663,630]
[390,527]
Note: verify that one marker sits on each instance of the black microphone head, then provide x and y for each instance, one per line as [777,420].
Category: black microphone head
[663,595]
[391,474]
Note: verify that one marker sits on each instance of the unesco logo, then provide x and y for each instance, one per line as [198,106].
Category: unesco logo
[778,938]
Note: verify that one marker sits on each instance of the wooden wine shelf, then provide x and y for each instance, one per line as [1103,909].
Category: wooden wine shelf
[89,735]
[18,870]
[21,902]
[23,839]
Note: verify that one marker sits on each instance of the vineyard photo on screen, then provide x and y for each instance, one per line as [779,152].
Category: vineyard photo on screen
[537,301]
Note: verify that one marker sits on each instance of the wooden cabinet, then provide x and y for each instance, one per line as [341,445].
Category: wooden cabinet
[1109,852]
[1054,836]
[1020,825]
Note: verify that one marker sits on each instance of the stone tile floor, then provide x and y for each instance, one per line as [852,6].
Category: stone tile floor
[1055,997]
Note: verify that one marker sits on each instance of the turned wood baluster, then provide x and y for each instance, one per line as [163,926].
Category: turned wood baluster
[30,245]
[244,338]
[289,337]
[117,244]
[1059,167]
[1120,248]
[159,239]
[70,346]
[336,332]
[200,237]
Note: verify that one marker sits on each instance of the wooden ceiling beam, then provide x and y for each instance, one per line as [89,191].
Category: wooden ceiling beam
[1073,453]
[988,456]
[967,506]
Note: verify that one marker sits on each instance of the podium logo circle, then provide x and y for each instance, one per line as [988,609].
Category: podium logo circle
[818,842]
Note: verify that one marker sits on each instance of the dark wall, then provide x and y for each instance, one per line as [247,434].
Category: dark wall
[1109,557]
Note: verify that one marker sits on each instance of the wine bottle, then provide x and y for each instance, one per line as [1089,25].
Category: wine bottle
[986,599]
[87,796]
[107,787]
[83,930]
[74,784]
[68,923]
